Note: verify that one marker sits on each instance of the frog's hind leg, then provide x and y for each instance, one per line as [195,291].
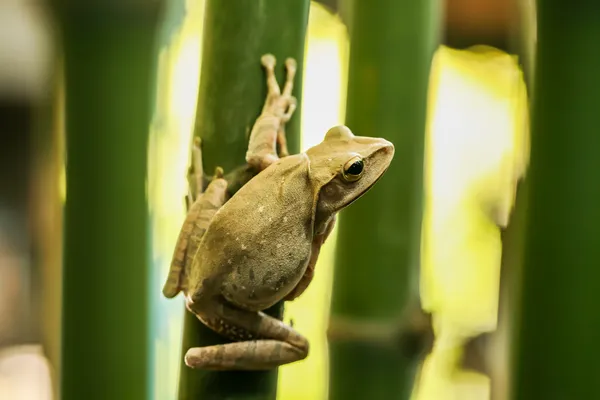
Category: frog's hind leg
[263,342]
[197,220]
[195,175]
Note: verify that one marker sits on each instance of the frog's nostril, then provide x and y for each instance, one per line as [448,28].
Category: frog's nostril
[389,148]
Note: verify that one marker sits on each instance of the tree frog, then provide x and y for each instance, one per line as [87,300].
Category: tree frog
[237,257]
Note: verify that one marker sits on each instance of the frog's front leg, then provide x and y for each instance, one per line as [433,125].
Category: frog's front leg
[291,68]
[268,131]
[262,342]
[316,245]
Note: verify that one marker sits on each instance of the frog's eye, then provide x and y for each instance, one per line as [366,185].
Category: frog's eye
[353,169]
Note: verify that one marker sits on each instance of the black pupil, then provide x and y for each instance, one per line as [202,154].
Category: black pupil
[356,168]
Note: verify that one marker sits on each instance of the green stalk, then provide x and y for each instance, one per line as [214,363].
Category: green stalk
[377,253]
[108,51]
[522,44]
[231,95]
[558,347]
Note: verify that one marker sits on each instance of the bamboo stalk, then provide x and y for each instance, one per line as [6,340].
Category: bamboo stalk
[391,45]
[557,352]
[498,346]
[108,54]
[231,95]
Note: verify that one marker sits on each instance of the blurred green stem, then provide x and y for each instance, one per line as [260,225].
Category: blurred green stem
[559,327]
[231,95]
[109,59]
[391,45]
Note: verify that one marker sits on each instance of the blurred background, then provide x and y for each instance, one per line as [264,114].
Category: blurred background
[417,293]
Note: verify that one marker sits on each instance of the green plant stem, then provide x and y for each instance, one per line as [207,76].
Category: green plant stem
[559,327]
[108,51]
[377,253]
[231,95]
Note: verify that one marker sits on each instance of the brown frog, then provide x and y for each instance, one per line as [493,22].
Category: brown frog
[238,257]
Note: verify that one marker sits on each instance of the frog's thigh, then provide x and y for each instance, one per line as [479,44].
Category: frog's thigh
[268,341]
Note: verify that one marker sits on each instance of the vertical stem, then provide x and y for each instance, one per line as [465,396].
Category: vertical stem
[510,291]
[46,210]
[392,43]
[558,344]
[231,95]
[108,52]
[16,247]
[523,44]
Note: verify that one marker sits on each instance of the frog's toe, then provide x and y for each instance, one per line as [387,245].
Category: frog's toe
[290,64]
[268,60]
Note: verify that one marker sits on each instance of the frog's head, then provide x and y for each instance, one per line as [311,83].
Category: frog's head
[343,167]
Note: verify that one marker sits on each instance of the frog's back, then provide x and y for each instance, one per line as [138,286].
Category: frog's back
[258,245]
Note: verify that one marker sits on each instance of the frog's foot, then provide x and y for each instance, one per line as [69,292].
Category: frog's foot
[268,62]
[263,343]
[219,173]
[291,67]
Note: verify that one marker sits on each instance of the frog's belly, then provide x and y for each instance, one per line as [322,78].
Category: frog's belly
[261,284]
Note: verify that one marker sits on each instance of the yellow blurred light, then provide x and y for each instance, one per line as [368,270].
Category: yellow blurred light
[477,147]
[168,158]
